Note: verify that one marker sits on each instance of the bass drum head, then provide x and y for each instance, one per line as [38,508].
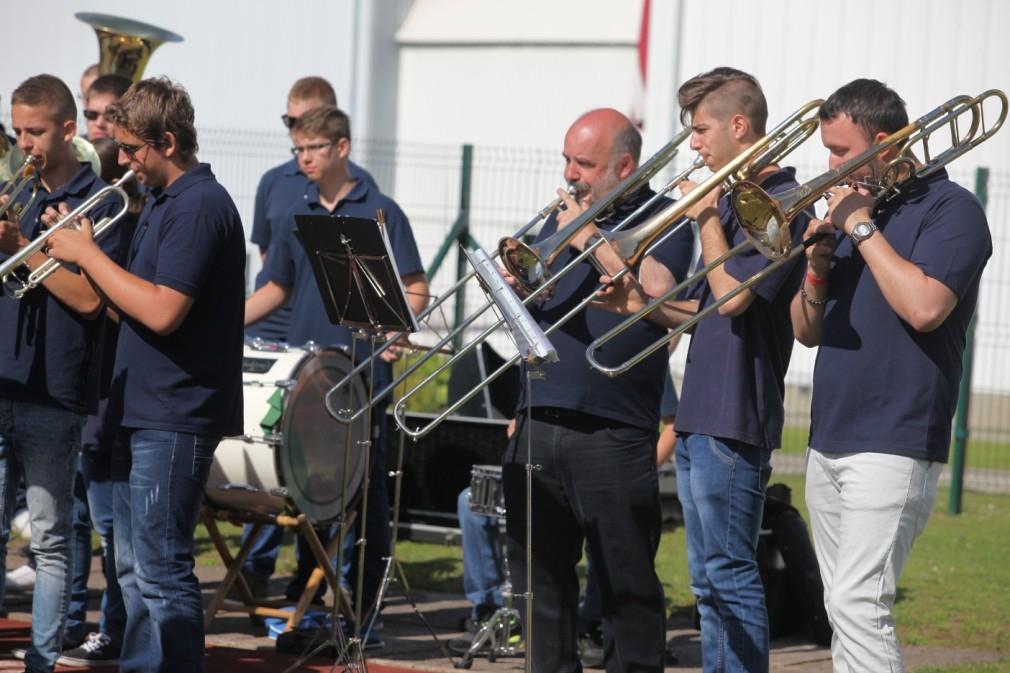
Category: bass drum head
[314,457]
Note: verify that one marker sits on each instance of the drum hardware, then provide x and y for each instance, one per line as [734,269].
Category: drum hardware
[486,498]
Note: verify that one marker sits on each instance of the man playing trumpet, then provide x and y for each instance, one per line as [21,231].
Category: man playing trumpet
[45,345]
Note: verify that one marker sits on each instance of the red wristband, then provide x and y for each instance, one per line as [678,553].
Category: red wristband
[815,281]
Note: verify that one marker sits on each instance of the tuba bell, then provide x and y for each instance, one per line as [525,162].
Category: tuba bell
[125,45]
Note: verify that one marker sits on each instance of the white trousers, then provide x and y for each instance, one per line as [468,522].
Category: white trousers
[866,510]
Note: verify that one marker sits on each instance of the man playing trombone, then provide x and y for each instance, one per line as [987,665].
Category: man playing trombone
[593,437]
[731,409]
[46,341]
[888,300]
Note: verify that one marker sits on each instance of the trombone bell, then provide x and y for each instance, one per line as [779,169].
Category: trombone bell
[124,45]
[762,219]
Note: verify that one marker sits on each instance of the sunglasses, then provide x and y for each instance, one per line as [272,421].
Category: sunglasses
[289,121]
[92,115]
[130,150]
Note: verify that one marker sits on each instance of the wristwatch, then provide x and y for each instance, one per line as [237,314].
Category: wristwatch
[862,231]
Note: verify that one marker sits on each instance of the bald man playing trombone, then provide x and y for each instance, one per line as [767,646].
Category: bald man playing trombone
[593,437]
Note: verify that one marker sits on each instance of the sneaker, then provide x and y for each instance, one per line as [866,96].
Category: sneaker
[98,648]
[259,585]
[460,645]
[590,648]
[20,525]
[19,653]
[21,579]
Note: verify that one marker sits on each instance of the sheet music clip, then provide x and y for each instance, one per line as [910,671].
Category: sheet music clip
[356,272]
[533,345]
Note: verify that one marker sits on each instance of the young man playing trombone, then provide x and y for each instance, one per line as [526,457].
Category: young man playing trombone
[731,407]
[177,380]
[887,299]
[46,341]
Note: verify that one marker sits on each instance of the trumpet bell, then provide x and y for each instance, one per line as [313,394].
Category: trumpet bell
[762,219]
[125,45]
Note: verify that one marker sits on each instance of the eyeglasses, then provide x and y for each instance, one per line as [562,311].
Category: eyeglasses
[309,149]
[130,150]
[289,121]
[92,115]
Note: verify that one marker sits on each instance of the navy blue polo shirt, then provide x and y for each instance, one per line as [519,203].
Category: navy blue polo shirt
[45,347]
[734,378]
[634,397]
[282,191]
[189,238]
[288,264]
[96,432]
[880,386]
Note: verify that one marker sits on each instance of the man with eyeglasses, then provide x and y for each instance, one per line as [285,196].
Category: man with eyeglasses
[322,143]
[177,379]
[280,191]
[104,91]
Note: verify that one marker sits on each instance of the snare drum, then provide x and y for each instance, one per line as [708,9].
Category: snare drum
[486,496]
[292,447]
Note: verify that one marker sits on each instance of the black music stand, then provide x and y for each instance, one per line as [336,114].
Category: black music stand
[360,286]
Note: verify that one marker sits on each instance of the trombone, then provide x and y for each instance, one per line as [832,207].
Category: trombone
[633,244]
[22,177]
[640,177]
[19,286]
[765,219]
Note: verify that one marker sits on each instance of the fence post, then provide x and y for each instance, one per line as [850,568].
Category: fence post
[462,237]
[964,392]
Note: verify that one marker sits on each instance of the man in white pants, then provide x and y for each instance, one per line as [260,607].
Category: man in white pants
[887,299]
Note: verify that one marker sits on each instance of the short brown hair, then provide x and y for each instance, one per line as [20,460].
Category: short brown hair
[308,88]
[117,85]
[47,91]
[327,121]
[735,92]
[154,107]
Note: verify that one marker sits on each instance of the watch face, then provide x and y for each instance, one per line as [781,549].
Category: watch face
[862,230]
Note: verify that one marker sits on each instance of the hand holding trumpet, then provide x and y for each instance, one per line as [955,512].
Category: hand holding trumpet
[71,243]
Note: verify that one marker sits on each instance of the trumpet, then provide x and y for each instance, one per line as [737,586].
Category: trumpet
[765,219]
[20,180]
[651,167]
[18,286]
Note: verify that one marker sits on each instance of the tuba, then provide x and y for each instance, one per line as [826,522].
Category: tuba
[124,45]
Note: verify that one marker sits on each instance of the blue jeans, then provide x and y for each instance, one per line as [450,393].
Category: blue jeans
[96,470]
[157,495]
[721,485]
[482,555]
[41,443]
[76,628]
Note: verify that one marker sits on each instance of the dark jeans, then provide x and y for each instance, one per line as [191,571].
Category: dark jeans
[96,471]
[158,491]
[596,482]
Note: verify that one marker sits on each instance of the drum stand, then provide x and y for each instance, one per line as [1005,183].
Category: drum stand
[262,607]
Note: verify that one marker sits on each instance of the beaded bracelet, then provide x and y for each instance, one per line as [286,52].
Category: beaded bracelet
[810,300]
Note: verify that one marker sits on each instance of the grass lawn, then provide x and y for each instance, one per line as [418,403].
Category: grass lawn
[953,592]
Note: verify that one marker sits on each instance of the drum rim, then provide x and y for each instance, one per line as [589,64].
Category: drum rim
[311,508]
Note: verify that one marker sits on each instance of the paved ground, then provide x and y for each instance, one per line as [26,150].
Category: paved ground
[409,644]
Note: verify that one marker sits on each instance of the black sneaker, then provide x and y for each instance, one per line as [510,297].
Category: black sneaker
[98,648]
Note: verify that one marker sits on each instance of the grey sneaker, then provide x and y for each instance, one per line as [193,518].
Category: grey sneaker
[97,648]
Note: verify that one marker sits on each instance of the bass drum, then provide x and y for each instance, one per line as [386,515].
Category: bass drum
[292,448]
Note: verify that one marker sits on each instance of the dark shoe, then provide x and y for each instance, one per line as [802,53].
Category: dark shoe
[297,585]
[259,585]
[590,647]
[97,649]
